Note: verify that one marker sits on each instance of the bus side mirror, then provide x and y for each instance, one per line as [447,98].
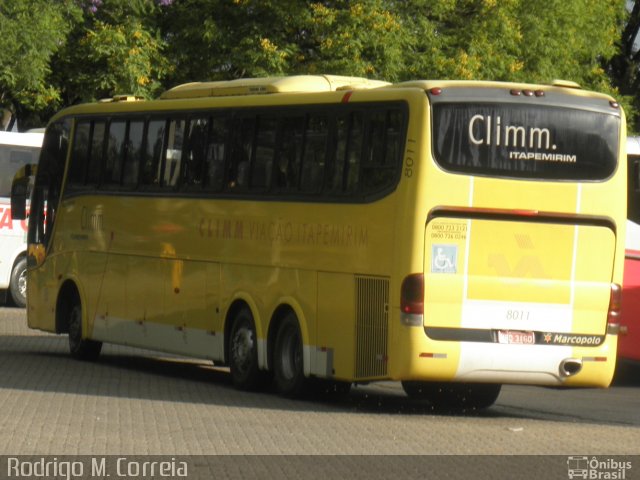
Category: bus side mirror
[20,192]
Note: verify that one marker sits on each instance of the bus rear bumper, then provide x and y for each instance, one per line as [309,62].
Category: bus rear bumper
[423,359]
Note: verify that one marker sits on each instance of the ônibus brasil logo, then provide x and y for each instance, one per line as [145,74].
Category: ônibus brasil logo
[597,468]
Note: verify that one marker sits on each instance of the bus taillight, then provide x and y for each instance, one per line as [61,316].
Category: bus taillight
[615,303]
[412,299]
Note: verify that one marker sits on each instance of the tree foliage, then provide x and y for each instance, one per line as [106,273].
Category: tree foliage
[624,68]
[32,31]
[230,39]
[117,48]
[514,39]
[87,49]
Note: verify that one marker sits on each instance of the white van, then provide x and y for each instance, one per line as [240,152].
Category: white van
[16,150]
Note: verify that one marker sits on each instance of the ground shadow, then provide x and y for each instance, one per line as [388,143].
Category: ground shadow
[40,362]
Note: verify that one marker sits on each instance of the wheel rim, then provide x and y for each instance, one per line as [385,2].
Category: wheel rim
[242,348]
[22,284]
[291,355]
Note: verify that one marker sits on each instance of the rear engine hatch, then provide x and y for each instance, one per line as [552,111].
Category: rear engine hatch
[497,275]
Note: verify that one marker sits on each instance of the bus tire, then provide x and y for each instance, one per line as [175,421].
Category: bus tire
[18,283]
[243,353]
[455,396]
[288,360]
[81,348]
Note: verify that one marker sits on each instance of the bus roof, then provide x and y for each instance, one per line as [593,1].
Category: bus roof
[316,84]
[556,86]
[252,86]
[22,139]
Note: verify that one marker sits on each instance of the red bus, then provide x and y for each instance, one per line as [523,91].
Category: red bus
[629,338]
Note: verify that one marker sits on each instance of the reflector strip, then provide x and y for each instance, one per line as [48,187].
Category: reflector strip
[594,359]
[433,355]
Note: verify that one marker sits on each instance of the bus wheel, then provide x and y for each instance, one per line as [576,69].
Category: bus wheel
[18,283]
[81,348]
[288,364]
[243,353]
[457,396]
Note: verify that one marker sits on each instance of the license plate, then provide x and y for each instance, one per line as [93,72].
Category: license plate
[517,337]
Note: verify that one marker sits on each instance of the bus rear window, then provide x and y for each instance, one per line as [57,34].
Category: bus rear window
[532,141]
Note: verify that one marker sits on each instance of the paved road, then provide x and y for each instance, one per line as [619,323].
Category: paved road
[136,402]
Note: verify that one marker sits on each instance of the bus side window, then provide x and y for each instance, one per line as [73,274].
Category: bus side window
[96,151]
[79,156]
[633,188]
[12,158]
[114,158]
[354,151]
[315,153]
[6,172]
[262,165]
[380,161]
[215,150]
[133,153]
[151,162]
[197,150]
[241,154]
[289,154]
[344,176]
[173,156]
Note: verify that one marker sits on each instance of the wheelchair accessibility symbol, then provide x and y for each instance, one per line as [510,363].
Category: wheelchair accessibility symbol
[444,258]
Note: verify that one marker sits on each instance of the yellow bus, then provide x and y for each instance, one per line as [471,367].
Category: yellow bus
[451,235]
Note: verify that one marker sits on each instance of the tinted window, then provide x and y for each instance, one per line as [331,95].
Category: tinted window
[173,155]
[241,154]
[215,151]
[265,149]
[633,188]
[525,141]
[321,152]
[114,158]
[79,155]
[345,175]
[289,153]
[96,152]
[315,153]
[153,152]
[379,162]
[133,153]
[196,156]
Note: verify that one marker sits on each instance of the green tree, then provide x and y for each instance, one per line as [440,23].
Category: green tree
[469,39]
[221,39]
[98,48]
[513,40]
[116,49]
[361,38]
[32,31]
[516,40]
[624,68]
